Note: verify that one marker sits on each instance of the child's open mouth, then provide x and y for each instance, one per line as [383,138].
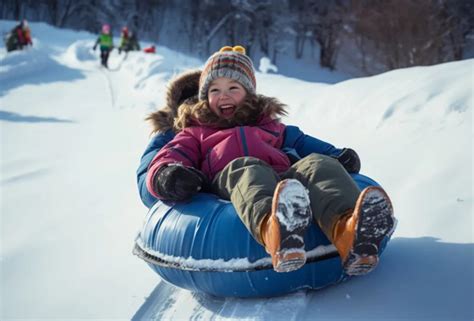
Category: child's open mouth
[227,110]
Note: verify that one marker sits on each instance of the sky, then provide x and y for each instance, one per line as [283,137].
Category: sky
[71,137]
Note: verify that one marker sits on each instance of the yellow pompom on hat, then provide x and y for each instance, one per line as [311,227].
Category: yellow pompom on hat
[228,62]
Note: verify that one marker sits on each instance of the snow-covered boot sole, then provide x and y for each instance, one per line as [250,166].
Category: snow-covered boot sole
[375,222]
[291,208]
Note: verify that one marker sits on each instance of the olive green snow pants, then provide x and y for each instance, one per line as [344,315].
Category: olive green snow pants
[249,184]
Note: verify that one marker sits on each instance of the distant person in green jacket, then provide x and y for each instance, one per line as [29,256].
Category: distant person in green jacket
[105,40]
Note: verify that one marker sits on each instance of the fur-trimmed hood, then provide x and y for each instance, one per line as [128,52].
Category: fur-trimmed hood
[183,88]
[183,109]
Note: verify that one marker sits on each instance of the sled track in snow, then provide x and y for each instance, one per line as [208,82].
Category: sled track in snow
[110,87]
[119,66]
[105,72]
[165,302]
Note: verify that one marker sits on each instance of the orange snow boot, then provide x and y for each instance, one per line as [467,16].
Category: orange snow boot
[358,235]
[283,229]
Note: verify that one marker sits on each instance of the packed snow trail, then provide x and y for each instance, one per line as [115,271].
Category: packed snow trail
[110,87]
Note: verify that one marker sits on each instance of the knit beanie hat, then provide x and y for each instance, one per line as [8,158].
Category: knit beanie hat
[229,62]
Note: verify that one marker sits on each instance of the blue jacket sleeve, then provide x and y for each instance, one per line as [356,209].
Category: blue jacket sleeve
[152,149]
[297,145]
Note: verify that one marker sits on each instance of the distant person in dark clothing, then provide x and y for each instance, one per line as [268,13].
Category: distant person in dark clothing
[19,37]
[128,41]
[133,42]
[105,40]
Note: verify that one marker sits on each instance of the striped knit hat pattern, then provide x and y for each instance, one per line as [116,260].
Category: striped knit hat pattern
[228,62]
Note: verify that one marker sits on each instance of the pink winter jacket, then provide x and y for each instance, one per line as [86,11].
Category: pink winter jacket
[211,149]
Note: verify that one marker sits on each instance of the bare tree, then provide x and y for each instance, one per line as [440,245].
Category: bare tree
[328,21]
[402,33]
[459,23]
[320,22]
[270,26]
[15,9]
[387,34]
[61,11]
[203,21]
[302,24]
[141,16]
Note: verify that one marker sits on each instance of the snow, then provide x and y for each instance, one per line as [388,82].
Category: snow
[294,198]
[190,263]
[266,66]
[71,138]
[234,264]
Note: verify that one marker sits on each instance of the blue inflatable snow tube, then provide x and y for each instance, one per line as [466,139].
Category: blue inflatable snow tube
[203,246]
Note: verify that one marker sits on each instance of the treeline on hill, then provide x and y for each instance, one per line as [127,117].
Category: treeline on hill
[379,35]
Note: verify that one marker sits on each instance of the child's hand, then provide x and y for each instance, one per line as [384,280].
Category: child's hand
[350,160]
[178,183]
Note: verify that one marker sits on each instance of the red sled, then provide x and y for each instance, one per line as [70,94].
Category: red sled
[150,49]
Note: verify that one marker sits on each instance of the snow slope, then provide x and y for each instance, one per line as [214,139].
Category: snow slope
[71,136]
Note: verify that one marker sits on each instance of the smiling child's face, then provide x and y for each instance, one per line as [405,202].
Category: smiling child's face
[225,96]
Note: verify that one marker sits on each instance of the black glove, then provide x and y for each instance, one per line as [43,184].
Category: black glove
[350,160]
[95,47]
[178,183]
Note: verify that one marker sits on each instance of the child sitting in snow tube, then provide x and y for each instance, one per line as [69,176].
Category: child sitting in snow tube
[227,140]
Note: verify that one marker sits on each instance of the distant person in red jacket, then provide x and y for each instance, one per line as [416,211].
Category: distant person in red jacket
[19,37]
[23,32]
[128,41]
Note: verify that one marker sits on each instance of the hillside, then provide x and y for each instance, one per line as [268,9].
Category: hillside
[72,134]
